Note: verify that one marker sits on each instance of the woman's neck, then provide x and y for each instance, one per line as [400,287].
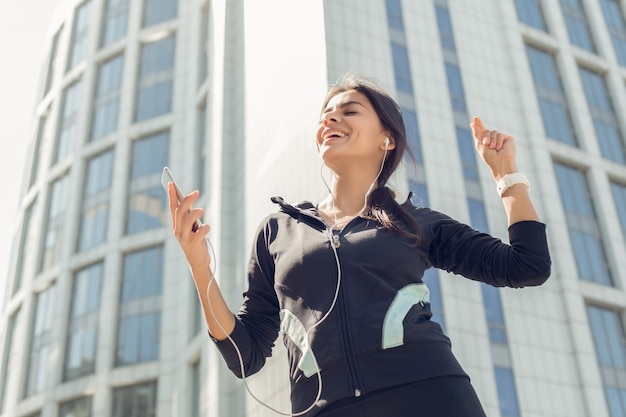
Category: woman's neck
[348,194]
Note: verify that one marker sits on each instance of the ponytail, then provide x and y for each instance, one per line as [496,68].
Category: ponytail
[383,208]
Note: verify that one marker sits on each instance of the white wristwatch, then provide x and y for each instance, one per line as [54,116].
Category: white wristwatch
[511,179]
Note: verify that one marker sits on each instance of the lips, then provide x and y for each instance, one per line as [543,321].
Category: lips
[331,134]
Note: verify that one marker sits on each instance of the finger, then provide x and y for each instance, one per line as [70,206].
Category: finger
[182,210]
[173,200]
[477,128]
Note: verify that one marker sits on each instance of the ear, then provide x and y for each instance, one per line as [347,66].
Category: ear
[389,143]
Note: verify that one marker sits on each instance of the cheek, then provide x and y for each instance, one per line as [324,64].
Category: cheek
[318,136]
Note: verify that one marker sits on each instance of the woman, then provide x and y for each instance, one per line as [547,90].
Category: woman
[342,279]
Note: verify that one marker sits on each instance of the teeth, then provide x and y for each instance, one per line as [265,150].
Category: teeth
[339,134]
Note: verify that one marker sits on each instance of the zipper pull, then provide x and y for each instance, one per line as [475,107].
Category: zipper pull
[336,242]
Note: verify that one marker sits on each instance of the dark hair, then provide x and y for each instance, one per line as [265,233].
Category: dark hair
[381,203]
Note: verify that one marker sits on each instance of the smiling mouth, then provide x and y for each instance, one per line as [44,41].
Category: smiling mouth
[334,135]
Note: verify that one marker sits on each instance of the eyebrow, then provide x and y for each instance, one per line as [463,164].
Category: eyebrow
[344,105]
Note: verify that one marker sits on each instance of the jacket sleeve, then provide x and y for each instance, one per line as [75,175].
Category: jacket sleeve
[457,248]
[257,321]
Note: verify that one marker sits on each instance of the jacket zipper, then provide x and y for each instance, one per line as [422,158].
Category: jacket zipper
[345,333]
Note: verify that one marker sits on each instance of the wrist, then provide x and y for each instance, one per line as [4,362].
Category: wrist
[509,180]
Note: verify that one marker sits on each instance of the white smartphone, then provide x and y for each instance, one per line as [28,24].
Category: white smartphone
[168,177]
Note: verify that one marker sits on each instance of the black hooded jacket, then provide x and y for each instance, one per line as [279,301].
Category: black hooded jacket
[352,303]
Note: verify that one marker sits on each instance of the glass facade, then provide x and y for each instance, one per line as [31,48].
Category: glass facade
[96,198]
[68,123]
[157,11]
[604,119]
[79,407]
[552,101]
[80,35]
[115,21]
[584,231]
[529,12]
[155,84]
[107,98]
[577,25]
[135,400]
[619,195]
[80,352]
[9,369]
[40,343]
[54,233]
[614,17]
[147,203]
[139,326]
[25,249]
[609,339]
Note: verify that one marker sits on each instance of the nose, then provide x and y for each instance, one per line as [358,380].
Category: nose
[330,117]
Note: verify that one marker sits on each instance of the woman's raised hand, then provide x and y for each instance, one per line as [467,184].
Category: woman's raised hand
[497,149]
[193,243]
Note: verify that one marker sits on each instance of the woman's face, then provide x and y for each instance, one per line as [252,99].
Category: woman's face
[350,128]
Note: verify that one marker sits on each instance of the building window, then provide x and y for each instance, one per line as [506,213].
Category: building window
[431,279]
[455,87]
[156,79]
[203,67]
[107,98]
[9,369]
[394,14]
[80,353]
[52,61]
[577,25]
[444,23]
[494,314]
[603,114]
[157,11]
[402,68]
[529,12]
[53,237]
[115,21]
[40,343]
[138,332]
[413,135]
[135,400]
[478,217]
[507,396]
[79,407]
[41,137]
[583,226]
[80,35]
[552,103]
[610,343]
[23,268]
[617,27]
[68,123]
[619,195]
[147,203]
[467,153]
[96,197]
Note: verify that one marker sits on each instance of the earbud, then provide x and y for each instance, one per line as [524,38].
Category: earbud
[386,142]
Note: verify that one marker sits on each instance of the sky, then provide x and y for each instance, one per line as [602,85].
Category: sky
[23,30]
